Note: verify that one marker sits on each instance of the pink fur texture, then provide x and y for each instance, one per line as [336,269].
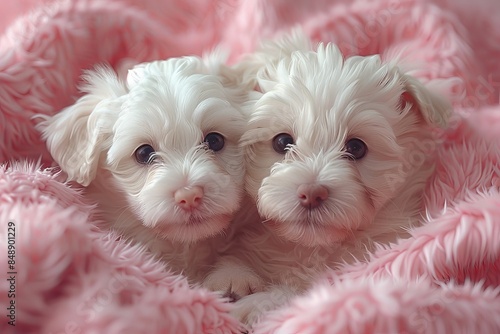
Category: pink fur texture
[72,277]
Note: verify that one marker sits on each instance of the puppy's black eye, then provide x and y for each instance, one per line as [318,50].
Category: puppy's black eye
[214,141]
[281,142]
[143,154]
[355,148]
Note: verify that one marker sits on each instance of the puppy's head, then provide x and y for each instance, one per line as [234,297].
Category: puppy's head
[168,137]
[329,139]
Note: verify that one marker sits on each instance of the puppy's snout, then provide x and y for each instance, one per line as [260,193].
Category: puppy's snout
[189,198]
[311,195]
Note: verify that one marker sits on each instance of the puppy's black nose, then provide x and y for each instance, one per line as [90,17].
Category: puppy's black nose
[311,195]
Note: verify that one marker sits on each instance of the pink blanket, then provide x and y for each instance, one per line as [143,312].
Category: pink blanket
[70,277]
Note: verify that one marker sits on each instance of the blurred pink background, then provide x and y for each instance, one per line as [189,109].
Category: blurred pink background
[13,9]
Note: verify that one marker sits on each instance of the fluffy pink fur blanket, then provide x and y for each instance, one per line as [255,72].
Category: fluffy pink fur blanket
[72,278]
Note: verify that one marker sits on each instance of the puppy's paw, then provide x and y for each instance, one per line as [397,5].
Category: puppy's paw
[234,281]
[250,309]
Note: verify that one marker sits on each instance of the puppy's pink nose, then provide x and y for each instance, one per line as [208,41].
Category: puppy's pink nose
[311,195]
[189,198]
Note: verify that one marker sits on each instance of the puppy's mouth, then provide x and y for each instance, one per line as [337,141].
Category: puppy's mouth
[308,232]
[209,218]
[194,228]
[196,220]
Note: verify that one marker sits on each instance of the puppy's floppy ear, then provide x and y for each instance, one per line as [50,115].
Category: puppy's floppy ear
[434,108]
[77,136]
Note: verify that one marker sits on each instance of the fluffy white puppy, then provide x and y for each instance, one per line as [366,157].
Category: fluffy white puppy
[158,151]
[338,152]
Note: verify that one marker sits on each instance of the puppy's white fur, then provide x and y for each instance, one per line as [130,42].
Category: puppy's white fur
[171,105]
[322,100]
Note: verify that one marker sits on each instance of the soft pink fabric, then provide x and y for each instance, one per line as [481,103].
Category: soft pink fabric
[74,278]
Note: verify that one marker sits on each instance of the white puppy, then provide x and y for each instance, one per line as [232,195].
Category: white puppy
[338,152]
[159,154]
